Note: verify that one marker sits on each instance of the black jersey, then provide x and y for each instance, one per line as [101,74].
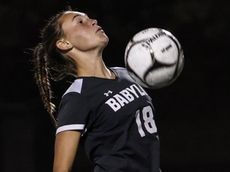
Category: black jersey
[116,120]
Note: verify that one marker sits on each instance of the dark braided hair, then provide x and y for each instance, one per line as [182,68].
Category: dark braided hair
[50,63]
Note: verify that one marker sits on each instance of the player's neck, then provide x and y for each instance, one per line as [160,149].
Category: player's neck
[94,68]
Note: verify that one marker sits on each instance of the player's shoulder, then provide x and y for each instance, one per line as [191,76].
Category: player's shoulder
[75,87]
[122,73]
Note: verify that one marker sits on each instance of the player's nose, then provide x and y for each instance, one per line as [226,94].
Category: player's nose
[94,22]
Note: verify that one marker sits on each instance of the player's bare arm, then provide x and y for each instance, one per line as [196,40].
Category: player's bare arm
[66,145]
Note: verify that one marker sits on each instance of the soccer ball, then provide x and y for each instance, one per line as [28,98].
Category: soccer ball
[154,58]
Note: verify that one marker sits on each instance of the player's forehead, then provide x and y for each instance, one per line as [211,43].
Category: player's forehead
[70,15]
[74,13]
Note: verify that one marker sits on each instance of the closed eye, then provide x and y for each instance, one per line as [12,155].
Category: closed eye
[80,21]
[80,18]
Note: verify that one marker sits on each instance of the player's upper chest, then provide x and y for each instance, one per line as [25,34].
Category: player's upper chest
[113,95]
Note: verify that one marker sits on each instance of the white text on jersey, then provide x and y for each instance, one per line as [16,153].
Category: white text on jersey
[125,96]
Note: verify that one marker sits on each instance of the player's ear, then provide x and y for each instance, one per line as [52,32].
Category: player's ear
[64,45]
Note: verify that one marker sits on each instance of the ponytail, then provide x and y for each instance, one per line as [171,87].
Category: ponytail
[42,78]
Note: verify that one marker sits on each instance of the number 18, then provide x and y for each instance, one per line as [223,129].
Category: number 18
[149,123]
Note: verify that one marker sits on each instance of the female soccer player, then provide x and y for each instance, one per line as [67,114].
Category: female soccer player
[112,114]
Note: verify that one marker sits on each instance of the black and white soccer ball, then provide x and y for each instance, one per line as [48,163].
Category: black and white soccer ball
[154,58]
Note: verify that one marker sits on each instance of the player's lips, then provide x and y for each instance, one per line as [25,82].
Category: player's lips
[99,29]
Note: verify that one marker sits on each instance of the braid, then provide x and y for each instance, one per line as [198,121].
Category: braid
[42,79]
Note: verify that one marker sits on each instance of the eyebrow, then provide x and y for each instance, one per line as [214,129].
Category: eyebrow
[77,15]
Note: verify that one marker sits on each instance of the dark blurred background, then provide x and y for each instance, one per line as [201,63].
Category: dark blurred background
[193,113]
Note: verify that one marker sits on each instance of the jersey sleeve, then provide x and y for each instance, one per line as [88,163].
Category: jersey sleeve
[72,113]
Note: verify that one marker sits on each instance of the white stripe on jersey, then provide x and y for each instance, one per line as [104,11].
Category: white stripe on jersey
[70,127]
[76,86]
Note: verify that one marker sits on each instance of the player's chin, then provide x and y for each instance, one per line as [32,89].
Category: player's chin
[105,38]
[102,35]
[104,42]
